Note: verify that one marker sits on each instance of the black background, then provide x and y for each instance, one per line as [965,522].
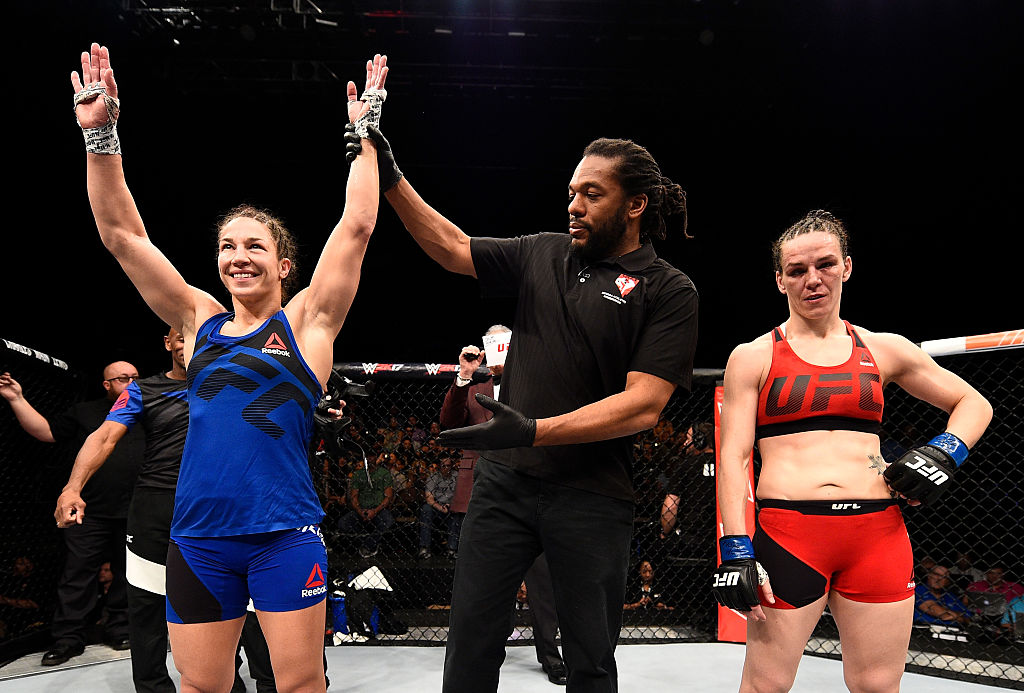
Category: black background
[903,118]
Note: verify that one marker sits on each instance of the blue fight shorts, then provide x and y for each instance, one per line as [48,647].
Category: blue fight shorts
[211,579]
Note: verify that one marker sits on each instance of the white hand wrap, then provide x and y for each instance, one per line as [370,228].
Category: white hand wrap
[375,98]
[102,139]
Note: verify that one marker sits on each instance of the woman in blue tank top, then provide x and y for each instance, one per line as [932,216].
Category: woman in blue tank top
[246,515]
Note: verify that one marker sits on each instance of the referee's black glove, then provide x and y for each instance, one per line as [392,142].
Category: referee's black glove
[507,429]
[387,169]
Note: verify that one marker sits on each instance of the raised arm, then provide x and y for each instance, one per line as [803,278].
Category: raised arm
[33,423]
[95,451]
[442,240]
[322,307]
[117,218]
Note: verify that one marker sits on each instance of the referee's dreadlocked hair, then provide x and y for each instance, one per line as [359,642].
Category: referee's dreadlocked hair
[638,173]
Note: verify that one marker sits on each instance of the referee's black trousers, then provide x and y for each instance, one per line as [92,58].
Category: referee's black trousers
[586,537]
[89,545]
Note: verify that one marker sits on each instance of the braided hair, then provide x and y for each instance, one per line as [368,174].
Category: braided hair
[287,247]
[638,174]
[814,221]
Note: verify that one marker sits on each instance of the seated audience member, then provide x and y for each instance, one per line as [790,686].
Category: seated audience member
[371,491]
[963,571]
[21,599]
[403,483]
[1013,619]
[923,568]
[688,508]
[418,433]
[438,494]
[644,594]
[935,601]
[995,581]
[391,436]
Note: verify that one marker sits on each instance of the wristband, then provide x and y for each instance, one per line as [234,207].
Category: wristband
[462,382]
[735,547]
[952,446]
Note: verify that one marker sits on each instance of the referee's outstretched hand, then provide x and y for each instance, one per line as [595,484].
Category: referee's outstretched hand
[507,429]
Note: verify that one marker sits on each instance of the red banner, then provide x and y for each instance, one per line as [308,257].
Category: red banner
[732,625]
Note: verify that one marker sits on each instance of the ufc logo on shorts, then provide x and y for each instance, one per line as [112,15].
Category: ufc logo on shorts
[933,474]
[727,580]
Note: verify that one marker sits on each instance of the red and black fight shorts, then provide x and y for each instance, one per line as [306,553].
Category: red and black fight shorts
[859,549]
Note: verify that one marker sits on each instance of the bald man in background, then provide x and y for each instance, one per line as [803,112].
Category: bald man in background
[101,538]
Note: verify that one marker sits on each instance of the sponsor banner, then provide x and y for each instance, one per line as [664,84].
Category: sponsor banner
[732,625]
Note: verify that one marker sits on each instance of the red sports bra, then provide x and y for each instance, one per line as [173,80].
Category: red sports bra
[799,396]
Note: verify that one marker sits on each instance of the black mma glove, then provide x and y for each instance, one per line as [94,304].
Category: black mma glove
[506,429]
[924,473]
[387,169]
[736,579]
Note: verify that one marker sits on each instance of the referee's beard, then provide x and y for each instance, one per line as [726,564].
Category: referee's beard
[603,238]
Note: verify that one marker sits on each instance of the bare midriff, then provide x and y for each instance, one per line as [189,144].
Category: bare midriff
[822,465]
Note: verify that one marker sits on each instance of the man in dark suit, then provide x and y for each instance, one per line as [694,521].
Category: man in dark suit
[460,408]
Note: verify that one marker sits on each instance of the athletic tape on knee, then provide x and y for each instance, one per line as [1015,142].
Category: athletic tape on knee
[375,98]
[102,139]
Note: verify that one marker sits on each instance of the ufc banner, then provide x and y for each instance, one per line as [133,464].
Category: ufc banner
[732,625]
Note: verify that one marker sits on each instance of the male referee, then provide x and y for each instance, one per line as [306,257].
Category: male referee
[604,331]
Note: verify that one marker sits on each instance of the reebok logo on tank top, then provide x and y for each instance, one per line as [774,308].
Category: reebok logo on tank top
[275,345]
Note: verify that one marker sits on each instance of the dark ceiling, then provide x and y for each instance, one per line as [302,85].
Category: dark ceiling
[902,117]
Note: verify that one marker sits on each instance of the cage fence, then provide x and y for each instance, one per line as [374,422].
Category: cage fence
[391,580]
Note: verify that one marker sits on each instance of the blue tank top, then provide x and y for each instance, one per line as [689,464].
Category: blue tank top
[245,468]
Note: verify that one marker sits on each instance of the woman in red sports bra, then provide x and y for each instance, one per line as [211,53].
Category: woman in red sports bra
[829,530]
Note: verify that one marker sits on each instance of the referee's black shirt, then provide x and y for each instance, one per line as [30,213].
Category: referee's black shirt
[579,329]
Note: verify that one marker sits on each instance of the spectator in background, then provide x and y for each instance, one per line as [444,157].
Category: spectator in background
[995,581]
[923,568]
[645,596]
[460,408]
[370,493]
[407,449]
[691,475]
[438,494]
[404,484]
[102,536]
[963,572]
[935,601]
[98,617]
[21,598]
[391,436]
[418,433]
[1013,619]
[332,486]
